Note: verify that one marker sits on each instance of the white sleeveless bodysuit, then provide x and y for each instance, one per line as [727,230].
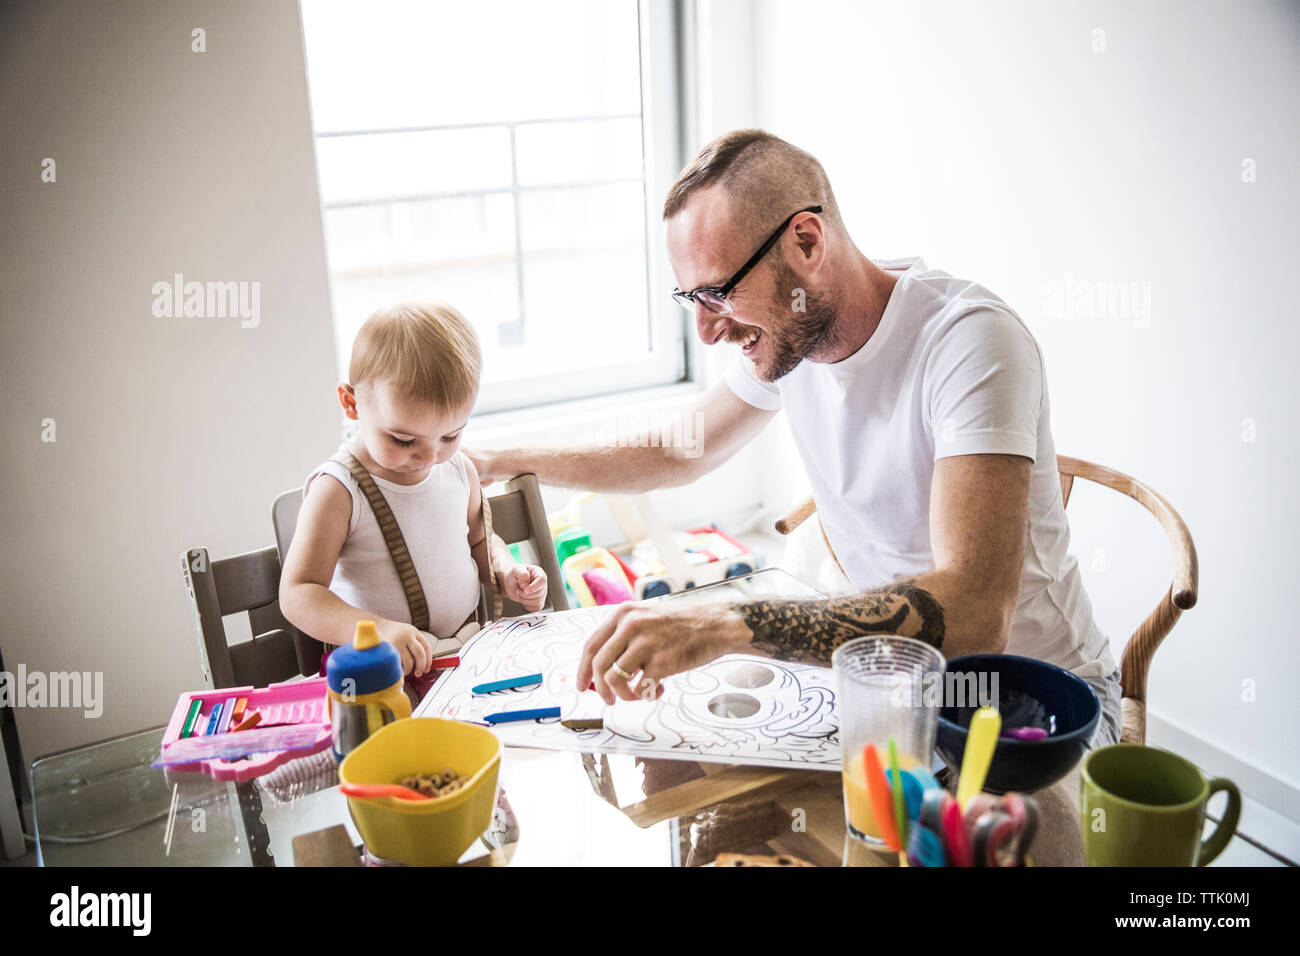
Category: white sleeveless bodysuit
[432,516]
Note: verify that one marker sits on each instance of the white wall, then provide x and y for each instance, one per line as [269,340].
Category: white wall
[170,433]
[174,432]
[991,140]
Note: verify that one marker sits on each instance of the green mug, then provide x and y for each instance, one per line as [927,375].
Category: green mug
[1146,807]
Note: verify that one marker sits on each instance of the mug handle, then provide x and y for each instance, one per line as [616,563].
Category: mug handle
[1212,847]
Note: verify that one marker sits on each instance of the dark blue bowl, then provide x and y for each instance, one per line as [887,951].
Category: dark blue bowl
[1030,694]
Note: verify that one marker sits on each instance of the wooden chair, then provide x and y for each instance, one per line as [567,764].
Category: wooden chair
[1181,596]
[517,515]
[245,583]
[251,583]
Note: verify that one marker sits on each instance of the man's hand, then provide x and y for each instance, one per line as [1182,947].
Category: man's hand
[649,642]
[525,584]
[485,465]
[410,643]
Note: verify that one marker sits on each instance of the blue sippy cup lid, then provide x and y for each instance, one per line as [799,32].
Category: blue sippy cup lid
[368,664]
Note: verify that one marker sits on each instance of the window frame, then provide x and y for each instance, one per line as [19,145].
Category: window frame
[666,362]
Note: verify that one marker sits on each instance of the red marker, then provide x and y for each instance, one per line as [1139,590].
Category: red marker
[442,663]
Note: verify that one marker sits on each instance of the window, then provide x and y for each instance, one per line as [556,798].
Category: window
[510,158]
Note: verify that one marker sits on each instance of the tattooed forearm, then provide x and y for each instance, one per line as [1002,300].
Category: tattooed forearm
[811,630]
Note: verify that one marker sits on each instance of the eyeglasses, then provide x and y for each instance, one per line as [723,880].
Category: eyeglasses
[714,298]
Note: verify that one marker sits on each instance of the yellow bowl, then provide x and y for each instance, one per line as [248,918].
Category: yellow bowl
[424,832]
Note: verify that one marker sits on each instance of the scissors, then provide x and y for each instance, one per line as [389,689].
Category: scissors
[1004,832]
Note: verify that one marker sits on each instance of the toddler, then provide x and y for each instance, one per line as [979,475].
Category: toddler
[413,380]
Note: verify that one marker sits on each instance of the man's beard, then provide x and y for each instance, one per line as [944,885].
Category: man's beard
[806,331]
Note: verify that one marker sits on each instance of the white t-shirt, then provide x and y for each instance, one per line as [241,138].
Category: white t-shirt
[435,527]
[950,370]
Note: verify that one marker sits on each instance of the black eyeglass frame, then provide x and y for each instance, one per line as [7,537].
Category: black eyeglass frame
[687,299]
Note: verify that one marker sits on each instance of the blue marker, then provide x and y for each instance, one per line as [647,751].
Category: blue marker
[214,719]
[507,684]
[540,713]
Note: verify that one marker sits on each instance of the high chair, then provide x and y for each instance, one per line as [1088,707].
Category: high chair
[251,582]
[244,583]
[518,515]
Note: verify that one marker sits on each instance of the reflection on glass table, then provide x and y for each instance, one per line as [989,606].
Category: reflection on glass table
[769,582]
[104,804]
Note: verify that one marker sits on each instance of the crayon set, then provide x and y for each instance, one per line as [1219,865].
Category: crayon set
[230,733]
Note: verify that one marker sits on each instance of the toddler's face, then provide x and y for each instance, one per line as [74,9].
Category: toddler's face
[404,436]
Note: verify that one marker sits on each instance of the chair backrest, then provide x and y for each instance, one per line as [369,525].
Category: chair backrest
[1181,596]
[284,519]
[247,583]
[517,515]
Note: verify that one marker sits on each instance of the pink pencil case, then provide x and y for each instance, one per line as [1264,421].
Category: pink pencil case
[294,711]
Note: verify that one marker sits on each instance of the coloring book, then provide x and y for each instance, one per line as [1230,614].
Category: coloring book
[737,709]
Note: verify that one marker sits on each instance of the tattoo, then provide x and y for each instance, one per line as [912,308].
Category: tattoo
[809,631]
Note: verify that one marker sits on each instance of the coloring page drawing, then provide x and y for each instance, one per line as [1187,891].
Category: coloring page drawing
[737,709]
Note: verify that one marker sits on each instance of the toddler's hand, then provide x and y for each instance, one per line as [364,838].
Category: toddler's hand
[526,584]
[410,643]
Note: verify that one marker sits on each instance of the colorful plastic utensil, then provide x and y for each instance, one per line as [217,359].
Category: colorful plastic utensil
[899,794]
[381,790]
[932,805]
[956,839]
[1027,831]
[878,791]
[1024,817]
[981,740]
[994,837]
[1024,733]
[912,791]
[924,778]
[925,849]
[980,804]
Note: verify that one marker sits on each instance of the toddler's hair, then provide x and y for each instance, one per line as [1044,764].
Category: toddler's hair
[426,350]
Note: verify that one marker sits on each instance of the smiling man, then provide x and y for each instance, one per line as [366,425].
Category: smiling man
[919,406]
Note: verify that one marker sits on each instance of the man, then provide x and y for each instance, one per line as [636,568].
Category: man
[919,405]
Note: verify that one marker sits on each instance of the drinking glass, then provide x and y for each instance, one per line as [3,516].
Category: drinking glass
[881,687]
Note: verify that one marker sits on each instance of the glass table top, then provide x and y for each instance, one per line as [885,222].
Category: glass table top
[104,805]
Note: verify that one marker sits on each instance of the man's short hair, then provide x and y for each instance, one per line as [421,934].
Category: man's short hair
[426,351]
[765,178]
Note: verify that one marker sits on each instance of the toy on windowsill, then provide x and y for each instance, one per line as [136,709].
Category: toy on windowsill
[596,576]
[605,588]
[655,561]
[710,555]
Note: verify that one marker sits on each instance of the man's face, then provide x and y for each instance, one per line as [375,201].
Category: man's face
[774,325]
